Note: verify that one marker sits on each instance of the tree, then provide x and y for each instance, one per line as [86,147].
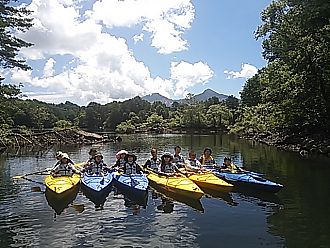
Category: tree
[296,34]
[232,102]
[13,20]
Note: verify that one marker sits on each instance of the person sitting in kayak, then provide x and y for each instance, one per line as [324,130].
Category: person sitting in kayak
[130,166]
[206,159]
[177,157]
[167,167]
[228,166]
[193,164]
[153,162]
[97,166]
[120,156]
[92,152]
[58,156]
[65,167]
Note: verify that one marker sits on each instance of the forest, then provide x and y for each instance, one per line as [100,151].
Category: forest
[286,102]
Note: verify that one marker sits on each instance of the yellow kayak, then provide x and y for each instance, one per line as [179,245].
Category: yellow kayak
[60,184]
[176,183]
[209,181]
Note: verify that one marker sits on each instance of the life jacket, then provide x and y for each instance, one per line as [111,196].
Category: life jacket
[120,163]
[153,163]
[167,168]
[178,159]
[95,168]
[63,169]
[131,168]
[194,163]
[230,167]
[209,161]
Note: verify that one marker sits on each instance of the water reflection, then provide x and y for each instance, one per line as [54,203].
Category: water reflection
[296,216]
[59,202]
[224,196]
[97,197]
[167,197]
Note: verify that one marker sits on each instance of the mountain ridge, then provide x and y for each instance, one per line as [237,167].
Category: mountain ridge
[204,96]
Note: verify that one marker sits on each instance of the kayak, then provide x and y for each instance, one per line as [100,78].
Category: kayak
[242,179]
[61,184]
[208,180]
[97,183]
[133,186]
[176,183]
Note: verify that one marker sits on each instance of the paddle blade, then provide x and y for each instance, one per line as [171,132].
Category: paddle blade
[78,207]
[36,189]
[18,177]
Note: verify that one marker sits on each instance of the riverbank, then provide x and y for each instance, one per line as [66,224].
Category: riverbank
[44,139]
[305,144]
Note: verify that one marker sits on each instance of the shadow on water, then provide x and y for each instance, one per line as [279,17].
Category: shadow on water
[257,196]
[98,198]
[132,198]
[59,202]
[167,198]
[224,196]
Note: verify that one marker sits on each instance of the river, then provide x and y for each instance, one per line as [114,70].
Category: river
[297,216]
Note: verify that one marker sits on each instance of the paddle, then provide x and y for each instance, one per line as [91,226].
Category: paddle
[29,179]
[32,173]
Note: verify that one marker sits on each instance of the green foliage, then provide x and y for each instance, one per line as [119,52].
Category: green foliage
[125,127]
[218,116]
[62,124]
[232,102]
[4,132]
[12,19]
[294,87]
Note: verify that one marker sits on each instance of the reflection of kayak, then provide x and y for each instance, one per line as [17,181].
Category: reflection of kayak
[132,186]
[59,202]
[96,187]
[207,180]
[225,196]
[191,202]
[256,196]
[176,183]
[249,180]
[60,184]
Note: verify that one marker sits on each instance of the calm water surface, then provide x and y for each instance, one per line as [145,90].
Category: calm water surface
[297,216]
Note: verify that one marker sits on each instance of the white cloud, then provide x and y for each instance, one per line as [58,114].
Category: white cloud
[247,71]
[137,38]
[49,68]
[186,75]
[166,20]
[102,67]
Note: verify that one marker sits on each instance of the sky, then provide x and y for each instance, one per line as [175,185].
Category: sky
[111,50]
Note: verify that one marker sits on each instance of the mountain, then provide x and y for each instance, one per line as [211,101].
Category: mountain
[156,97]
[207,94]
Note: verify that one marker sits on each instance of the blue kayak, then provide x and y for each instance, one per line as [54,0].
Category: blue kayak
[97,183]
[251,180]
[132,186]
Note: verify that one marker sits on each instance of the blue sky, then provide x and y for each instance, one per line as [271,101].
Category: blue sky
[113,50]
